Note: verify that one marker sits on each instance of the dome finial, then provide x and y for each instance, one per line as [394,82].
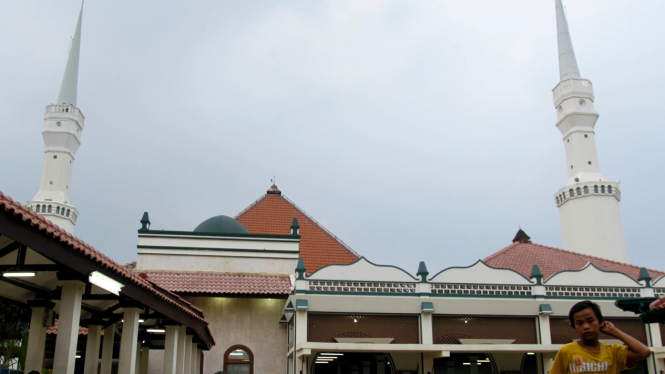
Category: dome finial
[521,237]
[273,190]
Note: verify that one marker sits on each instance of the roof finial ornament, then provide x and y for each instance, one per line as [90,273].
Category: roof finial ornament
[273,190]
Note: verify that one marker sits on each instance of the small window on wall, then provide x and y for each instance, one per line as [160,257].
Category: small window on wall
[239,360]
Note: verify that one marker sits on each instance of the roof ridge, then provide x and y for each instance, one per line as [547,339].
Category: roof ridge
[322,227]
[252,205]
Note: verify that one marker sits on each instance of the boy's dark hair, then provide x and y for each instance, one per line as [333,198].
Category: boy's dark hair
[580,307]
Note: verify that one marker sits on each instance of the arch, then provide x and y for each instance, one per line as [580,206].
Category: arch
[602,189]
[67,212]
[609,189]
[50,208]
[238,364]
[57,210]
[579,191]
[595,189]
[572,192]
[586,190]
[37,208]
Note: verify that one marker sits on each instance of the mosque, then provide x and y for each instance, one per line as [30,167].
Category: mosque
[271,290]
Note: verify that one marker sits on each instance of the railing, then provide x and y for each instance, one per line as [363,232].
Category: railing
[384,287]
[52,208]
[571,83]
[65,108]
[590,292]
[481,289]
[584,189]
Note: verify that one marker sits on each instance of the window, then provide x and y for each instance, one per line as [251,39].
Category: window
[595,189]
[586,135]
[37,209]
[579,191]
[57,210]
[571,193]
[68,211]
[239,360]
[49,208]
[589,162]
[602,189]
[586,190]
[609,189]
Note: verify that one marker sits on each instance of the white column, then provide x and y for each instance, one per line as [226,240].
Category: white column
[107,350]
[426,328]
[145,359]
[64,357]
[171,349]
[34,357]
[197,368]
[92,349]
[548,360]
[192,364]
[544,324]
[128,340]
[138,357]
[188,354]
[180,361]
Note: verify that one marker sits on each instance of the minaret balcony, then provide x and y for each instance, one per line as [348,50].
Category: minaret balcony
[54,209]
[573,87]
[66,109]
[584,189]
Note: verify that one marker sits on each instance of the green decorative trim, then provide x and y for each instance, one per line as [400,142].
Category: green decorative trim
[145,222]
[193,235]
[302,304]
[422,272]
[644,276]
[476,263]
[216,249]
[427,307]
[289,307]
[371,263]
[584,268]
[364,293]
[300,268]
[545,309]
[535,273]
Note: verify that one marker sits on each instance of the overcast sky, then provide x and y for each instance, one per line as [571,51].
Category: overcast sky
[419,130]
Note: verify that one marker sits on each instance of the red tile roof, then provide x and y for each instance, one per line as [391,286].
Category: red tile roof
[273,214]
[12,208]
[223,283]
[54,329]
[522,256]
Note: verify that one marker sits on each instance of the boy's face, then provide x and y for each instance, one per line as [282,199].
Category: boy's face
[587,325]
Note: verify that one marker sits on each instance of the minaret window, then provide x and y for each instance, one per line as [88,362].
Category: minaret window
[586,135]
[586,190]
[609,189]
[579,191]
[55,156]
[37,209]
[572,193]
[57,210]
[602,189]
[589,162]
[595,189]
[67,212]
[49,208]
[582,102]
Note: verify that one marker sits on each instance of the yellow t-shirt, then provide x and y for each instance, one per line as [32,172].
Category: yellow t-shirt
[610,359]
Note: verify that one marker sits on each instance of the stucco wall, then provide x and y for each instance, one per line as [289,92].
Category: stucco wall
[251,322]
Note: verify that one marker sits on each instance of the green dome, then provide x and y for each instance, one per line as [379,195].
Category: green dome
[221,225]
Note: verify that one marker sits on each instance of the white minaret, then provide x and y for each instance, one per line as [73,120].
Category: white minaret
[589,203]
[63,124]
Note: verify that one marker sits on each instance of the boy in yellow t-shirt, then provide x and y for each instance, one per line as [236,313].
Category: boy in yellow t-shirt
[588,355]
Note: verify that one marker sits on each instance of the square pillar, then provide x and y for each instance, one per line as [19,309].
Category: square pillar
[171,349]
[128,340]
[192,365]
[198,368]
[92,348]
[426,328]
[180,360]
[145,360]
[34,357]
[107,350]
[138,357]
[544,324]
[64,357]
[187,368]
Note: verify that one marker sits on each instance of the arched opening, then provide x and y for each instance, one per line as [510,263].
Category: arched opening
[57,210]
[571,192]
[609,189]
[602,189]
[239,360]
[579,191]
[529,364]
[37,209]
[67,212]
[49,208]
[586,190]
[595,189]
[352,362]
[461,363]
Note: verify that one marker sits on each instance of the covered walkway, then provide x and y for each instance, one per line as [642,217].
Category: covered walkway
[57,275]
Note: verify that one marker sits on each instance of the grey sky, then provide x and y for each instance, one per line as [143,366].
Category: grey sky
[412,130]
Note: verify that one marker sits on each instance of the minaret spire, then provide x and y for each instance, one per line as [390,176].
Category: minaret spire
[63,125]
[567,62]
[588,203]
[69,84]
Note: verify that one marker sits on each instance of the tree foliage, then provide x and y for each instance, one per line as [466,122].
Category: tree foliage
[14,325]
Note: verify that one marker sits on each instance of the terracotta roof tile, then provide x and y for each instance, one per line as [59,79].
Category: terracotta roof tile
[522,256]
[10,207]
[223,283]
[54,329]
[273,214]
